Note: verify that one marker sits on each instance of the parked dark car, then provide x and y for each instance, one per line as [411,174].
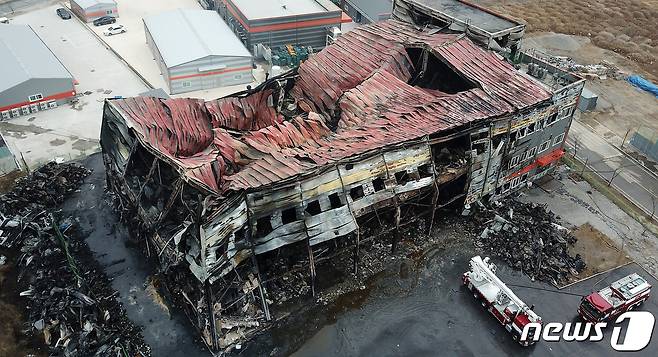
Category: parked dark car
[105,20]
[63,13]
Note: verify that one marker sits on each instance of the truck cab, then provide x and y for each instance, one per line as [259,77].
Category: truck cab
[623,295]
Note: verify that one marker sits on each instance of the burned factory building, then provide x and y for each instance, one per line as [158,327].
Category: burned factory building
[388,116]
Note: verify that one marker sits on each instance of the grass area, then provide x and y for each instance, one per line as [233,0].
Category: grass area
[612,194]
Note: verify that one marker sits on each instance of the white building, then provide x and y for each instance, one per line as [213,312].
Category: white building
[196,50]
[90,10]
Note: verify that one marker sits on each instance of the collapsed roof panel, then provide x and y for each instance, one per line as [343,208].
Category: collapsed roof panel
[373,87]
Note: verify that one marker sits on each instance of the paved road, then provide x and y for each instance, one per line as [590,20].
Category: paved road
[634,181]
[436,316]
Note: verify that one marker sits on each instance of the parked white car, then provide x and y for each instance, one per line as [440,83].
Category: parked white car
[114,30]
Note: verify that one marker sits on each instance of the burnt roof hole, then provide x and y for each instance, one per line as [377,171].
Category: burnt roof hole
[431,72]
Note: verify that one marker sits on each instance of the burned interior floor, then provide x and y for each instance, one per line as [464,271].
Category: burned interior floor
[233,196]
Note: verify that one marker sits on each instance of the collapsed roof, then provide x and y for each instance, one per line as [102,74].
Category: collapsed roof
[377,86]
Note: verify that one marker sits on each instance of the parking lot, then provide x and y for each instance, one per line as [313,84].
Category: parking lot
[132,47]
[71,131]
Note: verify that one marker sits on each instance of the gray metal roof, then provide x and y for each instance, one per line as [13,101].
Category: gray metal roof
[468,13]
[89,3]
[185,35]
[372,9]
[24,56]
[254,10]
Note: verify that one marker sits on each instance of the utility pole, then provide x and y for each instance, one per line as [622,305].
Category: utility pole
[625,137]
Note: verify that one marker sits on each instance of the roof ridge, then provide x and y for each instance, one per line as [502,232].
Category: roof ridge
[203,44]
[15,56]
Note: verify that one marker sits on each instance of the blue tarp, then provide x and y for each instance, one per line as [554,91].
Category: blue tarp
[644,84]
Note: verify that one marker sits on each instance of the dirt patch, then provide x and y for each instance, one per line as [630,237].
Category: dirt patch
[84,145]
[624,26]
[597,249]
[21,131]
[152,288]
[57,142]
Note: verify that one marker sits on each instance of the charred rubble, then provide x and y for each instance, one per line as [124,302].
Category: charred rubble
[529,238]
[69,300]
[243,201]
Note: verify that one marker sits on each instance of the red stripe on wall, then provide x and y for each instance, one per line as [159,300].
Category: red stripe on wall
[56,96]
[544,160]
[210,73]
[296,25]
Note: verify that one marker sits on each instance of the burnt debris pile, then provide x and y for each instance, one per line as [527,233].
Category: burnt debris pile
[529,238]
[69,299]
[45,188]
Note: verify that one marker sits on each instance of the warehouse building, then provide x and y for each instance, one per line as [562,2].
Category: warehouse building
[90,10]
[283,22]
[196,50]
[367,11]
[31,77]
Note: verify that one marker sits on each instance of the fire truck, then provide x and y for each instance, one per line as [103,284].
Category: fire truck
[499,300]
[624,294]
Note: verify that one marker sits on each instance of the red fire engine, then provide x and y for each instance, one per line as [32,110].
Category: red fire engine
[499,300]
[624,294]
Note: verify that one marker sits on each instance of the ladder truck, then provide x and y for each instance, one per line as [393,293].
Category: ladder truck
[499,300]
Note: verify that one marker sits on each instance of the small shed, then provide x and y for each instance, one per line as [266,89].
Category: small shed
[587,100]
[90,10]
[196,50]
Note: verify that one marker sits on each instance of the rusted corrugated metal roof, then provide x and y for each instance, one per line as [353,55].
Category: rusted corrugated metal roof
[361,82]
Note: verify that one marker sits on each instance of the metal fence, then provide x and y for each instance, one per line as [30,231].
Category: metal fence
[645,140]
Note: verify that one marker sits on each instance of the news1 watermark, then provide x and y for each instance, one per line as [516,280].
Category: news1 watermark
[634,337]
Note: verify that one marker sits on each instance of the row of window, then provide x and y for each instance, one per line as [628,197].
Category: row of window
[27,109]
[313,208]
[514,183]
[543,123]
[528,154]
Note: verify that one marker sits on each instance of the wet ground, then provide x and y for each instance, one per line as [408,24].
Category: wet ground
[417,306]
[428,313]
[167,332]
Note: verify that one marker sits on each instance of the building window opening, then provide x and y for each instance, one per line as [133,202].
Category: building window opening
[263,226]
[289,215]
[402,177]
[313,208]
[356,192]
[425,170]
[378,184]
[335,201]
